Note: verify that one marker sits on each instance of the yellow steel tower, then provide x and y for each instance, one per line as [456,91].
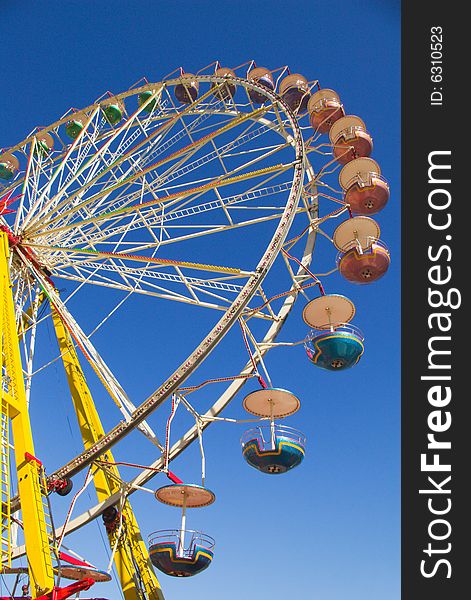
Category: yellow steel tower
[133,564]
[135,571]
[14,414]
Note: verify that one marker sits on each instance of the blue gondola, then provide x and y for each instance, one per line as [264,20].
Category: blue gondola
[336,349]
[273,448]
[168,555]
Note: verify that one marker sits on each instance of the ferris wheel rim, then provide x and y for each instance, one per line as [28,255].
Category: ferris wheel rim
[279,235]
[154,87]
[191,434]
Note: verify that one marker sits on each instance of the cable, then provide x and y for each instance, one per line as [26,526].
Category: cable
[297,261]
[252,360]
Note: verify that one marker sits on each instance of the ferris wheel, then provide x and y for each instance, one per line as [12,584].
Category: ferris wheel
[197,196]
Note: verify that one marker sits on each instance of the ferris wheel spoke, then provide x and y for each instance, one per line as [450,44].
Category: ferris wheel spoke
[156,283]
[99,254]
[61,168]
[129,179]
[21,210]
[132,283]
[173,173]
[239,141]
[227,227]
[172,234]
[154,280]
[122,200]
[177,197]
[68,167]
[193,127]
[31,179]
[157,280]
[159,146]
[252,193]
[96,158]
[155,219]
[29,341]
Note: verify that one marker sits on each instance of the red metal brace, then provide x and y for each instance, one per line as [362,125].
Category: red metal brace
[5,202]
[61,593]
[173,477]
[67,592]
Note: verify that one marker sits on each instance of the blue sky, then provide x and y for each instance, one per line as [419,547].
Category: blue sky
[330,529]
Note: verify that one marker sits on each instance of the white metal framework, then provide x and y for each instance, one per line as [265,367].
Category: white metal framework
[190,203]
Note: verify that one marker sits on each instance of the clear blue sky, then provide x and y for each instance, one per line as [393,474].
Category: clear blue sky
[329,530]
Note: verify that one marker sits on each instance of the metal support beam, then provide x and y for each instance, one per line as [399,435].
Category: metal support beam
[29,469]
[132,559]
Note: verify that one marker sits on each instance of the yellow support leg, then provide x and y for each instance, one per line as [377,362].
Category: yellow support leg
[132,559]
[29,471]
